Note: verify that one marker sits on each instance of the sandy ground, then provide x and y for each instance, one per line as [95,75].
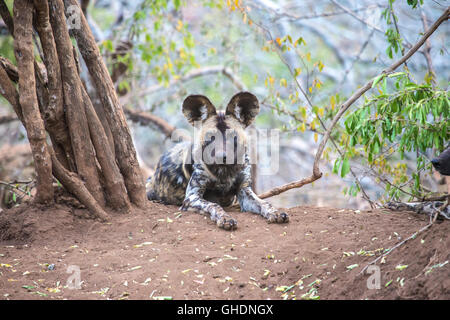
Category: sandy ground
[160,252]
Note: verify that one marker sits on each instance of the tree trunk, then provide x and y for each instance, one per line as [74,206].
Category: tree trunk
[98,167]
[125,151]
[23,50]
[75,114]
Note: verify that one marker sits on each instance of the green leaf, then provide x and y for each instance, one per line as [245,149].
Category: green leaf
[396,74]
[28,287]
[377,79]
[345,167]
[352,266]
[336,166]
[401,267]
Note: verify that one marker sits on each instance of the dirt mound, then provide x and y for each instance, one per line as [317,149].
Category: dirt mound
[162,252]
[27,223]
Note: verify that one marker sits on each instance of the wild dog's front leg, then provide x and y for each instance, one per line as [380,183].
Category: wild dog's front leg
[249,201]
[194,202]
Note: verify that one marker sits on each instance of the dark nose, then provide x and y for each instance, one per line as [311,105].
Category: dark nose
[435,163]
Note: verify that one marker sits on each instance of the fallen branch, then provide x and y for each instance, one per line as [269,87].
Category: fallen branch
[344,107]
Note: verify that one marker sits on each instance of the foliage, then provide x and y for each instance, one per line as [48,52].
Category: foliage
[408,118]
[162,40]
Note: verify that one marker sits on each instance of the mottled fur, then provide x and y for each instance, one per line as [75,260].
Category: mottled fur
[182,179]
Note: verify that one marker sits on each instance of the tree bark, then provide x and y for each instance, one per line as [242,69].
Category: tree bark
[114,184]
[125,151]
[10,69]
[74,185]
[9,92]
[23,50]
[85,161]
[54,110]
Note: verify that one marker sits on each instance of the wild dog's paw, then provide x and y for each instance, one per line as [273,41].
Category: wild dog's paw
[278,217]
[226,222]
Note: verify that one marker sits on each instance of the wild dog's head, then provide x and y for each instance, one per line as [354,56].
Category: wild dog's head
[442,163]
[221,137]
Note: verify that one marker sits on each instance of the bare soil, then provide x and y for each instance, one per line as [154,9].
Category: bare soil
[162,252]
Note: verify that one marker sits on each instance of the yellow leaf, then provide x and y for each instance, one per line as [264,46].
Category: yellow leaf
[321,111]
[320,66]
[303,127]
[318,84]
[179,25]
[308,57]
[278,40]
[183,55]
[316,137]
[333,102]
[53,290]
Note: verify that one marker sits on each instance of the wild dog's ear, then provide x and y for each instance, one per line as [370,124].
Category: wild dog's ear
[198,108]
[244,106]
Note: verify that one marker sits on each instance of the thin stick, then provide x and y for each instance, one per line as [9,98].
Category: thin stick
[401,242]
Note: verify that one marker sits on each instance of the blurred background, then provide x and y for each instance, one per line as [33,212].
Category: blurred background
[300,58]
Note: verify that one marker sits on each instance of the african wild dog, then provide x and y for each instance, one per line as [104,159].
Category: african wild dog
[210,173]
[442,162]
[442,165]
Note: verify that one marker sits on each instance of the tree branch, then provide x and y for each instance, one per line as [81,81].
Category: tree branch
[427,50]
[8,118]
[146,118]
[201,72]
[344,107]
